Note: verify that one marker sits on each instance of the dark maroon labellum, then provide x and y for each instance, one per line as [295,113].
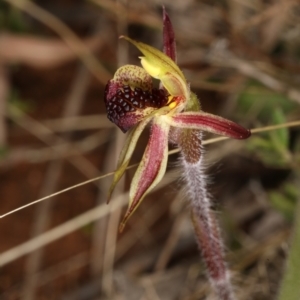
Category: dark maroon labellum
[125,106]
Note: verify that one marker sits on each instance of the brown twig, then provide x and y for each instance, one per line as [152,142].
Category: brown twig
[71,39]
[38,52]
[4,90]
[43,213]
[68,227]
[61,151]
[79,123]
[220,56]
[114,218]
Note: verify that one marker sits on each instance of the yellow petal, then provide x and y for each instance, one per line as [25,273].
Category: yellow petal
[162,67]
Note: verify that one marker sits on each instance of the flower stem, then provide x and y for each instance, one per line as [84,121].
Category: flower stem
[205,224]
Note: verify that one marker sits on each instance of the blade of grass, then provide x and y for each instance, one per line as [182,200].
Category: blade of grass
[113,219]
[70,226]
[290,288]
[210,141]
[42,218]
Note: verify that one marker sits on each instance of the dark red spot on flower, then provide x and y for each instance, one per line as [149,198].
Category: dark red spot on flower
[125,105]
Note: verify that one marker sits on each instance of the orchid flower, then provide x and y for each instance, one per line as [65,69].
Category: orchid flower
[174,114]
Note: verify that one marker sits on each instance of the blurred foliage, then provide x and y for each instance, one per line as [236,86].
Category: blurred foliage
[262,105]
[272,147]
[3,151]
[285,199]
[261,102]
[12,19]
[290,289]
[18,106]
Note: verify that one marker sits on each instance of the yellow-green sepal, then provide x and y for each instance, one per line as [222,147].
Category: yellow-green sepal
[126,153]
[162,67]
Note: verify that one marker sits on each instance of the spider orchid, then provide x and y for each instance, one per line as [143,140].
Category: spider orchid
[175,115]
[132,103]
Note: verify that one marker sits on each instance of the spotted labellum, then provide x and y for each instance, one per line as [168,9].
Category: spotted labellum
[129,99]
[174,114]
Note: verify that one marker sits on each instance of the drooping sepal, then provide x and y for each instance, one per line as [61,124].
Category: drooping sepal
[152,167]
[208,122]
[126,153]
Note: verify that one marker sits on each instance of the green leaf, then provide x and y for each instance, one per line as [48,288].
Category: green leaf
[260,101]
[279,136]
[3,152]
[283,204]
[259,143]
[290,288]
[273,147]
[292,191]
[285,199]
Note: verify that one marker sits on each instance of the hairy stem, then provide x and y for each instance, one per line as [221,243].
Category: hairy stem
[205,224]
